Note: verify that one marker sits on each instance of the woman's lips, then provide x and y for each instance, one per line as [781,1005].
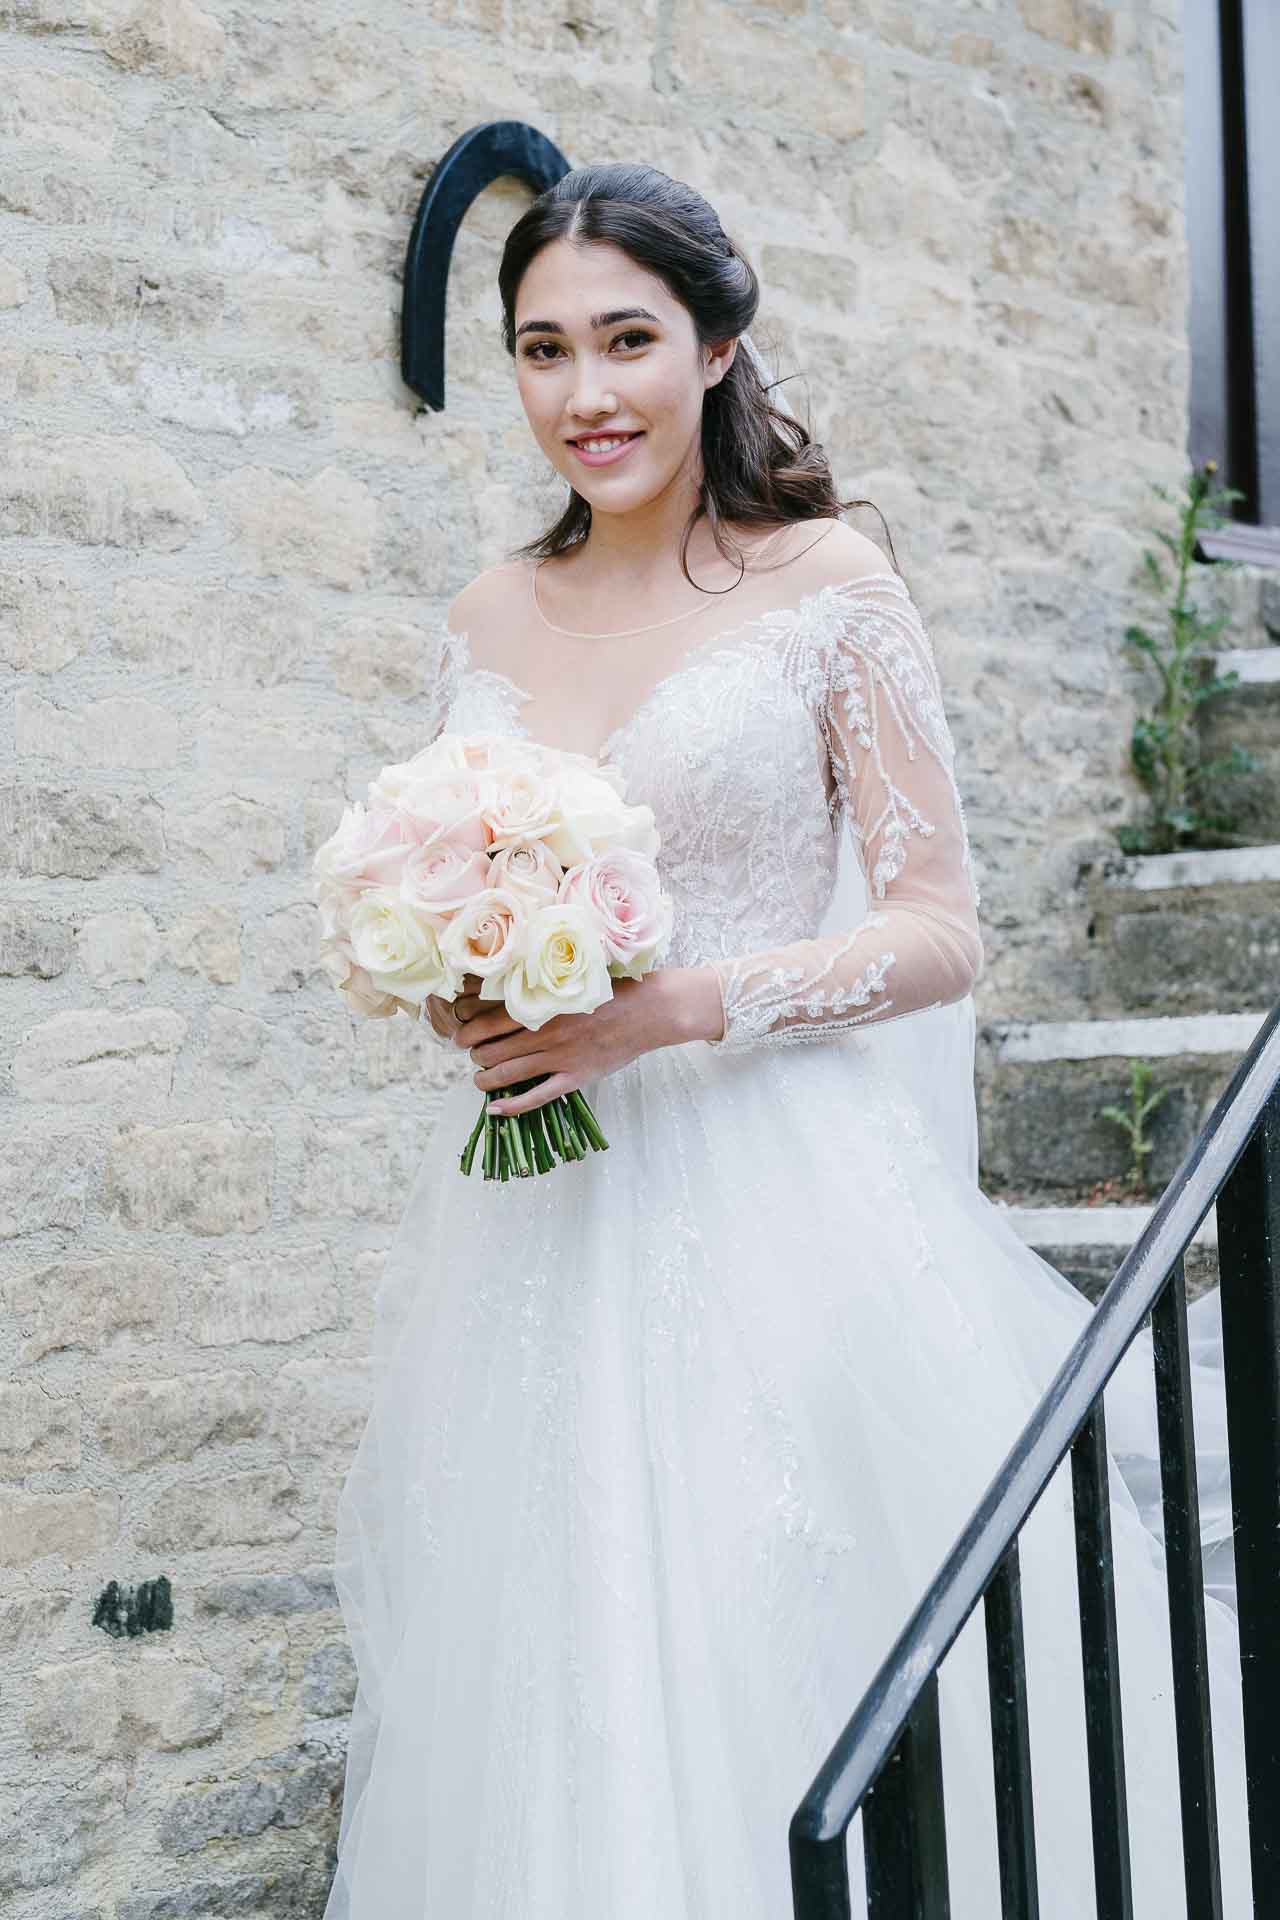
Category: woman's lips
[604,459]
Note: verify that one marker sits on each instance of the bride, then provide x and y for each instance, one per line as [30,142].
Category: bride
[665,1446]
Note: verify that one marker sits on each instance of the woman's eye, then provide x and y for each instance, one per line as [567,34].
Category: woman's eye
[634,336]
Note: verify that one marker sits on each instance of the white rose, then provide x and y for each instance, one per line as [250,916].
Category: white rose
[593,816]
[528,868]
[519,803]
[560,967]
[399,949]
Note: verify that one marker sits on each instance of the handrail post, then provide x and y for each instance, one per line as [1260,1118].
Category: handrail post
[904,1834]
[1249,1260]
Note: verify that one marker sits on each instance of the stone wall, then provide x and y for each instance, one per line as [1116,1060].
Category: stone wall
[225,531]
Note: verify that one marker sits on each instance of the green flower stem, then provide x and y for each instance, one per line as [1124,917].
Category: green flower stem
[551,1121]
[575,1132]
[590,1125]
[515,1145]
[469,1151]
[541,1144]
[522,1144]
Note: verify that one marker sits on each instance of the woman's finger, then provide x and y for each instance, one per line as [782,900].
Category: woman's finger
[505,1073]
[546,1090]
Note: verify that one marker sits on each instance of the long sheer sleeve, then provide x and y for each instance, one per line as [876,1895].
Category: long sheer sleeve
[892,765]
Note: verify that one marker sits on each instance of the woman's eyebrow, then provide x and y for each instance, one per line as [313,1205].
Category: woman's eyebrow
[596,320]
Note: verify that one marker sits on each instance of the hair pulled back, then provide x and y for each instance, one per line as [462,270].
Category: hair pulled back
[760,465]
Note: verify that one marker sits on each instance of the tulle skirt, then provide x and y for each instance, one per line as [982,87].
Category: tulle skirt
[665,1447]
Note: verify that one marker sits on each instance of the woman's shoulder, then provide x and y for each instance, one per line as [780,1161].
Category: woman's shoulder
[825,553]
[487,598]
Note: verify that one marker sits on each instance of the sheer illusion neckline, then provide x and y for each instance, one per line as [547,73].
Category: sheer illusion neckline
[766,621]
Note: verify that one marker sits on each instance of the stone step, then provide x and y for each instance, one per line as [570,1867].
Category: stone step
[1199,931]
[1041,1087]
[1248,716]
[1087,1244]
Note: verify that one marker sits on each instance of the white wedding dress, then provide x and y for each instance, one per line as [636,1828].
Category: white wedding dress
[666,1445]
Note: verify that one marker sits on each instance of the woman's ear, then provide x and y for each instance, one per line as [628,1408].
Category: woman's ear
[719,360]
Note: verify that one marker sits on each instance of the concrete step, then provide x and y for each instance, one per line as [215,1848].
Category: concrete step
[1199,931]
[1041,1087]
[1248,716]
[1250,598]
[1087,1244]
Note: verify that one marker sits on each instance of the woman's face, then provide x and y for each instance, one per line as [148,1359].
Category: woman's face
[639,374]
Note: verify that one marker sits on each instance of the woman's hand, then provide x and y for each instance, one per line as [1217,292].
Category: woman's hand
[665,1008]
[445,1014]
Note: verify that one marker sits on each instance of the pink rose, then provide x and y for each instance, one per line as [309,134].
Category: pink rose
[634,915]
[437,877]
[368,849]
[485,933]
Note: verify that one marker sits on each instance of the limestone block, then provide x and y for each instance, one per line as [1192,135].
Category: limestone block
[170,1703]
[33,942]
[92,1304]
[100,1055]
[166,36]
[320,1404]
[239,401]
[283,1893]
[374,656]
[230,838]
[44,621]
[210,1177]
[322,529]
[251,1596]
[141,1421]
[360,1166]
[52,830]
[207,941]
[1083,26]
[115,732]
[235,1039]
[264,1677]
[124,945]
[31,1623]
[769,76]
[41,107]
[108,491]
[52,1834]
[125,295]
[269,740]
[37,1429]
[44,1176]
[212,633]
[329,1680]
[275,1297]
[68,1526]
[300,1782]
[287,948]
[236,1509]
[75,1707]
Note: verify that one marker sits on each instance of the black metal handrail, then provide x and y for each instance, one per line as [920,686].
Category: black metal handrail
[892,1742]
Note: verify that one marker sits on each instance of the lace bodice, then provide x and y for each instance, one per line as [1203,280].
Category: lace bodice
[762,746]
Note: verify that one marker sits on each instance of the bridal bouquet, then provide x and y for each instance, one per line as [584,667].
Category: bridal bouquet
[492,855]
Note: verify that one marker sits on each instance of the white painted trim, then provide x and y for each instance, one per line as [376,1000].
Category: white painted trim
[1093,1226]
[1164,1036]
[1167,872]
[1257,666]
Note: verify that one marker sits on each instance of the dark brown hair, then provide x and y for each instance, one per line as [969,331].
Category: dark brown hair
[761,467]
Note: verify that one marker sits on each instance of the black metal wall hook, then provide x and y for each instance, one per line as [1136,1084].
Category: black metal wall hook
[475,160]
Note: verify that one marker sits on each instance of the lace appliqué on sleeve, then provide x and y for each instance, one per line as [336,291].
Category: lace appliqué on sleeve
[892,761]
